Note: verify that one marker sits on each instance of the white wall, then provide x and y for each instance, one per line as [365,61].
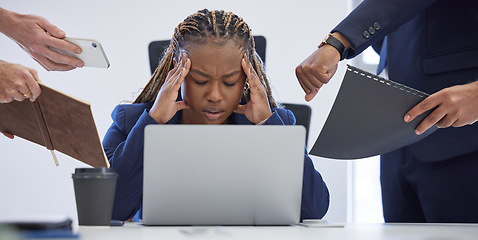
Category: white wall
[30,184]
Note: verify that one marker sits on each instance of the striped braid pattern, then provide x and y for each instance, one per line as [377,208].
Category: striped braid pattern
[198,29]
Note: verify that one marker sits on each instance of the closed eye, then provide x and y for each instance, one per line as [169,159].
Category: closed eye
[230,84]
[200,82]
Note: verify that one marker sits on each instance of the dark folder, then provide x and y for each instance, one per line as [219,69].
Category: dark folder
[367,118]
[58,122]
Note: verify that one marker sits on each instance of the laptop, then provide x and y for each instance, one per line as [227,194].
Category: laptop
[222,174]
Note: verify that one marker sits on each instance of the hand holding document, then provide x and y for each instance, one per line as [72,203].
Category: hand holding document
[58,122]
[367,118]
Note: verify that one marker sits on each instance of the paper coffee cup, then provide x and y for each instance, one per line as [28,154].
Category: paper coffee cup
[94,193]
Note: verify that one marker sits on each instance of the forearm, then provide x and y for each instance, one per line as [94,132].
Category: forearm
[125,153]
[315,194]
[4,18]
[7,20]
[342,39]
[125,160]
[274,119]
[372,20]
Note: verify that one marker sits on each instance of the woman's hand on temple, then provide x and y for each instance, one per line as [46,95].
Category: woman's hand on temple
[258,108]
[165,105]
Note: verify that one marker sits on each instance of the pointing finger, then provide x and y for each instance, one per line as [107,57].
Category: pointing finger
[420,108]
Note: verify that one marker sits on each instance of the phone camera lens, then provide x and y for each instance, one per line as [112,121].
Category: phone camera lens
[94,45]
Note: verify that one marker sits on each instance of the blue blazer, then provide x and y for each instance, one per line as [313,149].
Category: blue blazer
[123,144]
[432,44]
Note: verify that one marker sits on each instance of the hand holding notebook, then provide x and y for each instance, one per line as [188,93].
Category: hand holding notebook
[58,122]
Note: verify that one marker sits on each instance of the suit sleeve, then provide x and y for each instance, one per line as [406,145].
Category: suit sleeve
[315,194]
[124,149]
[372,20]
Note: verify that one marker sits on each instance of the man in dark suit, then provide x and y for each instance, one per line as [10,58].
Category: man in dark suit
[432,46]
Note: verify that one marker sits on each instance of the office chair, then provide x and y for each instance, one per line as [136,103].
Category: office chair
[302,115]
[302,112]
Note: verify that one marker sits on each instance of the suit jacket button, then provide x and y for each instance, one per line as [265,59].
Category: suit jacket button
[366,34]
[376,26]
[371,30]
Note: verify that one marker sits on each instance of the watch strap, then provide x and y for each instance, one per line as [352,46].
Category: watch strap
[337,44]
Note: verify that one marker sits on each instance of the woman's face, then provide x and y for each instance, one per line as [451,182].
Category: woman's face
[214,84]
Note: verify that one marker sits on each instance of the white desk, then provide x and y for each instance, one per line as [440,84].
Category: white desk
[132,231]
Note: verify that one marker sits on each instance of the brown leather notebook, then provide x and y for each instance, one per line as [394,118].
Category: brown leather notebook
[58,122]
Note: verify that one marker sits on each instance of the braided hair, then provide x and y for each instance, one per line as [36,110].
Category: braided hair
[197,29]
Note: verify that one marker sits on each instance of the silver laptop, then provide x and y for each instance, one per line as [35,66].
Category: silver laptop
[222,174]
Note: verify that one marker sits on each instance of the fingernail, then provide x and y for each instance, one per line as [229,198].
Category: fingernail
[417,132]
[78,51]
[406,118]
[61,32]
[80,65]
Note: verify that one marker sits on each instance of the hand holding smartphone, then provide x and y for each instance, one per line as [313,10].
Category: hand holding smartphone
[92,53]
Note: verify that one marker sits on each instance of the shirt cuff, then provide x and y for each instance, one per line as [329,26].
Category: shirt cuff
[262,122]
[265,120]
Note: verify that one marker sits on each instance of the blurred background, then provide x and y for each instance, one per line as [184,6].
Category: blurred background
[31,184]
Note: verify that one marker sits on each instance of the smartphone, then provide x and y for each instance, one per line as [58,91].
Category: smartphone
[92,53]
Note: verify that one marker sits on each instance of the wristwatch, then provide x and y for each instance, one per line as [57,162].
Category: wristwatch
[337,44]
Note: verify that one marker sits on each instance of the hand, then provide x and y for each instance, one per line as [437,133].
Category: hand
[36,36]
[257,109]
[456,106]
[317,70]
[165,105]
[18,82]
[319,67]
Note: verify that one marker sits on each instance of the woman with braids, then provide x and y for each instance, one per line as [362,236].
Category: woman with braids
[209,74]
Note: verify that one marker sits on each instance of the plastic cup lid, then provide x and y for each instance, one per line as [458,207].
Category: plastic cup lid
[100,172]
